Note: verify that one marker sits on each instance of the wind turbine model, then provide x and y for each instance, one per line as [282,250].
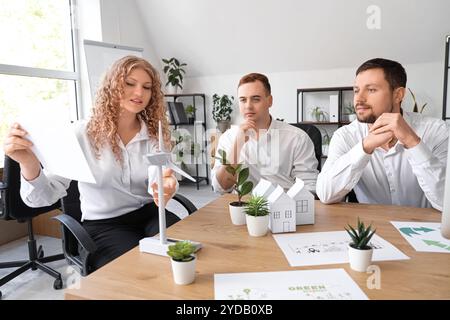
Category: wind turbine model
[159,244]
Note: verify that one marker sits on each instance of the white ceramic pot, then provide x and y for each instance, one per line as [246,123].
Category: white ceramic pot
[223,125]
[257,226]
[237,214]
[183,272]
[359,260]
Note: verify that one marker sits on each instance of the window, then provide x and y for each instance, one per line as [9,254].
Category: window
[276,215]
[37,60]
[288,214]
[302,206]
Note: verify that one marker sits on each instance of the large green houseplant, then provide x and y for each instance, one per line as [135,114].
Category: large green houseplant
[222,108]
[241,186]
[174,71]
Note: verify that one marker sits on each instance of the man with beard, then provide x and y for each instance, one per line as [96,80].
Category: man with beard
[387,156]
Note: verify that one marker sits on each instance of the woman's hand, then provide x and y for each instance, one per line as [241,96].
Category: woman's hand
[169,185]
[18,148]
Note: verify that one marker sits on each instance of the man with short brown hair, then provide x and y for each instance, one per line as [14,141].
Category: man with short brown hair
[272,149]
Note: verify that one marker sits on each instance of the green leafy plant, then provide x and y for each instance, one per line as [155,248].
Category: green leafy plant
[415,107]
[222,107]
[326,138]
[349,109]
[181,251]
[190,111]
[241,185]
[174,71]
[257,206]
[319,114]
[361,236]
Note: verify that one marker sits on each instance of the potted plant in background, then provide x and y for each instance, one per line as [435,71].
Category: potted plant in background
[241,186]
[415,107]
[257,216]
[190,112]
[183,262]
[359,250]
[319,115]
[222,111]
[349,112]
[325,143]
[174,72]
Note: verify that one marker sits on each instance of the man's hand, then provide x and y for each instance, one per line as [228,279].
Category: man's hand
[246,127]
[373,141]
[395,123]
[169,185]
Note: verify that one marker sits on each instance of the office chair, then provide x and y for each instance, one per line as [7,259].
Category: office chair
[316,137]
[13,208]
[78,245]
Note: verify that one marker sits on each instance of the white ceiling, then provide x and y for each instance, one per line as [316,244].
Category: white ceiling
[217,37]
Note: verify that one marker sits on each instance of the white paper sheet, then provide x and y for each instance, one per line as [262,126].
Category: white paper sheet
[423,236]
[330,284]
[317,248]
[55,143]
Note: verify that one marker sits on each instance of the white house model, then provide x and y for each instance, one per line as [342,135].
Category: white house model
[282,211]
[263,189]
[304,202]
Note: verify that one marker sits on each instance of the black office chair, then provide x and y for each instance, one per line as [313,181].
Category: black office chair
[316,137]
[13,208]
[78,245]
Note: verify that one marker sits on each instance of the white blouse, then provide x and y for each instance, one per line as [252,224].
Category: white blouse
[120,188]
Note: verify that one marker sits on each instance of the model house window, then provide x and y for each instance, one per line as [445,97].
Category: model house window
[288,214]
[37,60]
[302,206]
[276,215]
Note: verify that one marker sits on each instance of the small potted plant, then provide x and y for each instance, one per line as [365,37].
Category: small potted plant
[222,111]
[319,115]
[241,186]
[257,216]
[349,112]
[190,112]
[174,72]
[359,250]
[183,262]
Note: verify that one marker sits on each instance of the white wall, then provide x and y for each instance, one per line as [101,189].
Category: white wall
[425,80]
[122,24]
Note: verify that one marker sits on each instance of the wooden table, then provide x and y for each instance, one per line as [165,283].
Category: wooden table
[228,248]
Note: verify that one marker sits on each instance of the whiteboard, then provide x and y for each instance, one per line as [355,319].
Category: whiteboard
[99,58]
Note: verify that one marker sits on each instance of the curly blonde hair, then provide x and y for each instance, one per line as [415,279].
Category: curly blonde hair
[102,127]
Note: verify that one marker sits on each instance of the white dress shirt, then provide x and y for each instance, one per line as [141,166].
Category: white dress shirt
[282,153]
[408,177]
[120,188]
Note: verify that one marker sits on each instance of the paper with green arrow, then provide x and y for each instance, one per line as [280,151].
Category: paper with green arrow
[423,236]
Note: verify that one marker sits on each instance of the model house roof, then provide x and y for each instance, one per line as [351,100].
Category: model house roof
[277,194]
[296,188]
[264,188]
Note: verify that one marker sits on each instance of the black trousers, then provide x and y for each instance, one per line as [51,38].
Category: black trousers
[115,236]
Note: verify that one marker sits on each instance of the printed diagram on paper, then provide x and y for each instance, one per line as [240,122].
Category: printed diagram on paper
[317,248]
[330,284]
[423,236]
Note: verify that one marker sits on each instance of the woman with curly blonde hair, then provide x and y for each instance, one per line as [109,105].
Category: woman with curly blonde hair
[117,210]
